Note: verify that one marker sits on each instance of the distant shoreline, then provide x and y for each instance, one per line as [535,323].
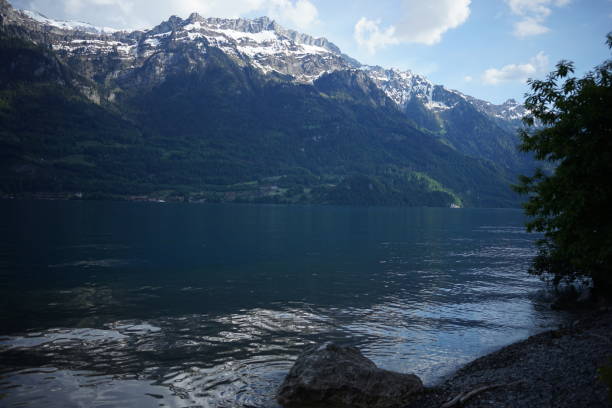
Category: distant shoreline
[179,199]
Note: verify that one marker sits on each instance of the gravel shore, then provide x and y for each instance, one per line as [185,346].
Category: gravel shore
[553,369]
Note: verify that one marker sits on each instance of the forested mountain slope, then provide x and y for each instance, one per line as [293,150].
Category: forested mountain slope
[235,110]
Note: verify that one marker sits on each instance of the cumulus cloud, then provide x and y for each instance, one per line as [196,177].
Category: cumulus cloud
[529,26]
[422,22]
[517,72]
[370,36]
[300,14]
[147,13]
[533,15]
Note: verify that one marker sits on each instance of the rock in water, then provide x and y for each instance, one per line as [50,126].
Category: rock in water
[331,375]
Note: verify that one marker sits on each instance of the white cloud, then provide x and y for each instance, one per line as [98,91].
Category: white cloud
[425,21]
[533,14]
[298,14]
[369,35]
[516,72]
[422,22]
[542,7]
[529,26]
[468,78]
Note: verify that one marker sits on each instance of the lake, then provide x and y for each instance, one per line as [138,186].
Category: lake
[114,304]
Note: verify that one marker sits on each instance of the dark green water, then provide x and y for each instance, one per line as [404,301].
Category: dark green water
[148,305]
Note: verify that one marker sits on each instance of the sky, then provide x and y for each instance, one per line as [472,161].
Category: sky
[484,48]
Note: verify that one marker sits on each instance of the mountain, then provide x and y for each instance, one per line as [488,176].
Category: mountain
[237,110]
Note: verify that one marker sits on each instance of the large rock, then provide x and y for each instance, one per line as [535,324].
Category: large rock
[331,375]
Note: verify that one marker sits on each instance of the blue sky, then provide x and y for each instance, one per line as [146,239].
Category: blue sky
[484,48]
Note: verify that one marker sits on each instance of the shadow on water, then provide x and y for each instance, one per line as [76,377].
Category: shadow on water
[109,304]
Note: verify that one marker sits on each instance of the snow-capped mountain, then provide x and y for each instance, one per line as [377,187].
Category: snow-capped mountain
[260,43]
[68,25]
[402,86]
[510,111]
[203,102]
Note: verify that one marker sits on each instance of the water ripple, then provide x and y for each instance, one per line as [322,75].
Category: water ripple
[149,319]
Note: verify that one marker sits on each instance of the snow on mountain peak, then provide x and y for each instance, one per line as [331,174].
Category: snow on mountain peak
[263,44]
[68,25]
[402,86]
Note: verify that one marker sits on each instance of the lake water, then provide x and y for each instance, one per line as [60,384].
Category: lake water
[106,304]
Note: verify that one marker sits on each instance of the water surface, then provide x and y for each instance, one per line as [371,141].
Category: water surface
[145,305]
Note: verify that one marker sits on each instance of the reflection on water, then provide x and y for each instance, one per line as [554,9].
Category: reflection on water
[129,304]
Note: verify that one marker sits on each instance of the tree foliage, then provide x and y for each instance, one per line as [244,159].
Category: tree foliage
[572,118]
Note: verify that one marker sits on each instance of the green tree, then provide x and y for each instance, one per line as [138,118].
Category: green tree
[570,126]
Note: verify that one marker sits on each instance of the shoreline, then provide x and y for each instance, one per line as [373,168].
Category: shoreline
[555,368]
[212,197]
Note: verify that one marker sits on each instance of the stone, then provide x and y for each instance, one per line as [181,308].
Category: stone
[332,375]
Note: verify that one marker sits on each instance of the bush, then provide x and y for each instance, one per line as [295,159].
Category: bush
[573,205]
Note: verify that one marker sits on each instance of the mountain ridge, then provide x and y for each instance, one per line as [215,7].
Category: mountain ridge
[262,24]
[207,102]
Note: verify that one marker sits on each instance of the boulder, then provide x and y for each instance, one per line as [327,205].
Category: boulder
[332,375]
